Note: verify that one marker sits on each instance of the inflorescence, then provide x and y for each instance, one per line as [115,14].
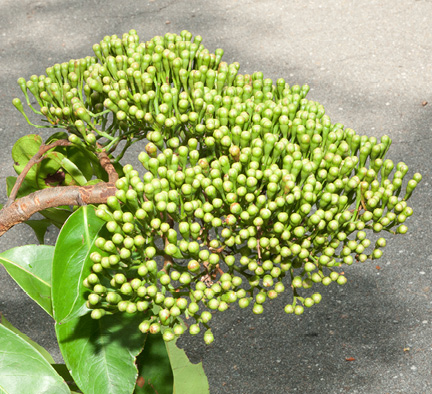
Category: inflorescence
[250,190]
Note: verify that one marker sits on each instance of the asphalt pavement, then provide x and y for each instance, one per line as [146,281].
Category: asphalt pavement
[369,62]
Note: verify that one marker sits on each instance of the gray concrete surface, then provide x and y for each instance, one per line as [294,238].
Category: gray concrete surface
[370,64]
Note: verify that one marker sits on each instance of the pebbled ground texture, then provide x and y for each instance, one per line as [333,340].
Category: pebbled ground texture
[369,63]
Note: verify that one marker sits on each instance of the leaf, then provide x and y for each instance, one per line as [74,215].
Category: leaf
[48,172]
[25,188]
[24,370]
[23,150]
[68,166]
[38,347]
[188,378]
[30,267]
[63,371]
[10,182]
[93,182]
[155,374]
[57,215]
[100,354]
[40,228]
[82,158]
[59,135]
[71,264]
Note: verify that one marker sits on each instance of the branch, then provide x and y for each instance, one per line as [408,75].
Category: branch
[23,208]
[106,164]
[18,211]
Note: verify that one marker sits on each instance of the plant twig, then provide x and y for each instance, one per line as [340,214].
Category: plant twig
[106,164]
[22,209]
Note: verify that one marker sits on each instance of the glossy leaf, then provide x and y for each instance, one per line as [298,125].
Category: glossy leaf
[100,354]
[40,228]
[23,150]
[25,188]
[93,182]
[155,374]
[83,159]
[48,172]
[71,262]
[57,215]
[188,378]
[63,371]
[59,135]
[68,166]
[38,347]
[30,267]
[24,370]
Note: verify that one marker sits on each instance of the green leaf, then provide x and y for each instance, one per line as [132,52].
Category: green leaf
[48,172]
[25,188]
[71,264]
[100,354]
[63,371]
[24,370]
[155,375]
[30,267]
[188,378]
[57,215]
[68,166]
[23,150]
[59,135]
[83,159]
[38,347]
[40,228]
[10,182]
[93,182]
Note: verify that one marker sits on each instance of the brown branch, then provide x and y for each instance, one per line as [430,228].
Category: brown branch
[37,158]
[18,211]
[106,164]
[23,208]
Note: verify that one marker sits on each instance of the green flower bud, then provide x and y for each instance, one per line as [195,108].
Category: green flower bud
[97,313]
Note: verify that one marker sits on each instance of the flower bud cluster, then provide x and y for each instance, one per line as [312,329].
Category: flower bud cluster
[249,191]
